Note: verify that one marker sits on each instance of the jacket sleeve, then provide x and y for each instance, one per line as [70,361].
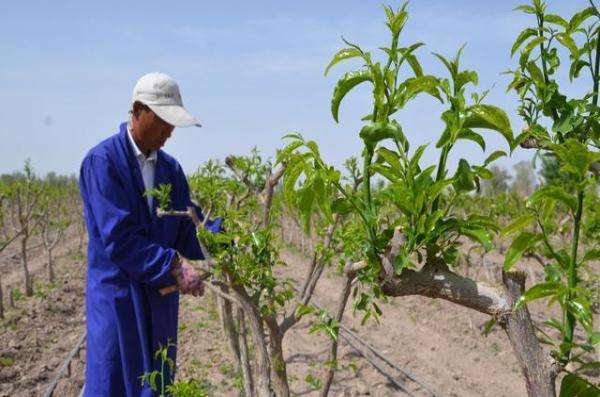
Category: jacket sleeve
[124,239]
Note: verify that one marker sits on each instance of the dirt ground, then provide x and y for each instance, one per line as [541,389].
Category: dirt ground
[440,343]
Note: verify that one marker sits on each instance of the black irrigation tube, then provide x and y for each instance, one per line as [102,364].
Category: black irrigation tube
[65,366]
[408,374]
[348,335]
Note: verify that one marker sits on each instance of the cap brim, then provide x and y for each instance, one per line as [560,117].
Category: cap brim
[175,115]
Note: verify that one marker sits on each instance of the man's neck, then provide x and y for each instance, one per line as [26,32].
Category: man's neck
[136,141]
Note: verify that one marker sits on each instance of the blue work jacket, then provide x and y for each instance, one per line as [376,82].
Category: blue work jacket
[129,256]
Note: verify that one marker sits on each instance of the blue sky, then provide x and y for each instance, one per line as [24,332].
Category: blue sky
[251,71]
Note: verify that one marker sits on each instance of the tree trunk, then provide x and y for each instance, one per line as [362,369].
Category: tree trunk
[229,327]
[1,301]
[333,348]
[263,378]
[11,297]
[26,274]
[51,275]
[244,354]
[278,367]
[540,377]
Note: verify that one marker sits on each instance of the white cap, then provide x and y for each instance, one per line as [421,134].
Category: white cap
[161,94]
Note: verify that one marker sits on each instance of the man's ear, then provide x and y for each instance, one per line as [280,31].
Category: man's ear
[137,108]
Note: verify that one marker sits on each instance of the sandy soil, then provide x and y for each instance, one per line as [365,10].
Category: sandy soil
[440,343]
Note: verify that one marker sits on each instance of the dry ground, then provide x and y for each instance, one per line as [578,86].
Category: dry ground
[438,342]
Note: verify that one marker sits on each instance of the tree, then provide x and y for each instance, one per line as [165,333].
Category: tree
[524,181]
[414,253]
[25,193]
[497,184]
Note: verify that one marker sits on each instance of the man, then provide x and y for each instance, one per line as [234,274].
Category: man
[132,253]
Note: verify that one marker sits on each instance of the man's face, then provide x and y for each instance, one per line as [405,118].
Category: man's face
[150,132]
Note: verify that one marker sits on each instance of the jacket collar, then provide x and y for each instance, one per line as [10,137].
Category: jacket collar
[161,173]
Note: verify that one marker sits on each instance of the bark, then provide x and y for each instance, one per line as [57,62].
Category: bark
[1,301]
[51,275]
[315,270]
[263,379]
[244,354]
[11,297]
[333,348]
[437,281]
[538,372]
[24,263]
[444,284]
[272,181]
[278,366]
[228,327]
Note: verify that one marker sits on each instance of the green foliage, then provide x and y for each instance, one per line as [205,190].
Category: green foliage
[420,201]
[6,361]
[189,388]
[575,386]
[159,380]
[326,324]
[566,130]
[162,193]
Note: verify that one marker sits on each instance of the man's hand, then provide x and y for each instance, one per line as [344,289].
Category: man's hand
[188,279]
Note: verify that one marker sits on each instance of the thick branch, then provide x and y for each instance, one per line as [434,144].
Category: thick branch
[310,283]
[444,284]
[272,181]
[538,372]
[532,143]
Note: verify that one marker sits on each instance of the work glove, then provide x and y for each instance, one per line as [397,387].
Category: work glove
[188,279]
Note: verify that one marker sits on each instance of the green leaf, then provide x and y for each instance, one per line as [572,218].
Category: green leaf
[292,173]
[414,64]
[465,77]
[384,171]
[480,236]
[538,291]
[344,85]
[341,206]
[524,35]
[470,135]
[536,74]
[344,53]
[307,199]
[529,47]
[407,54]
[554,193]
[574,386]
[304,310]
[416,85]
[483,172]
[568,42]
[556,20]
[526,9]
[582,311]
[463,178]
[489,117]
[576,67]
[592,255]
[522,243]
[489,325]
[518,225]
[592,366]
[580,17]
[375,132]
[449,65]
[391,158]
[494,156]
[445,139]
